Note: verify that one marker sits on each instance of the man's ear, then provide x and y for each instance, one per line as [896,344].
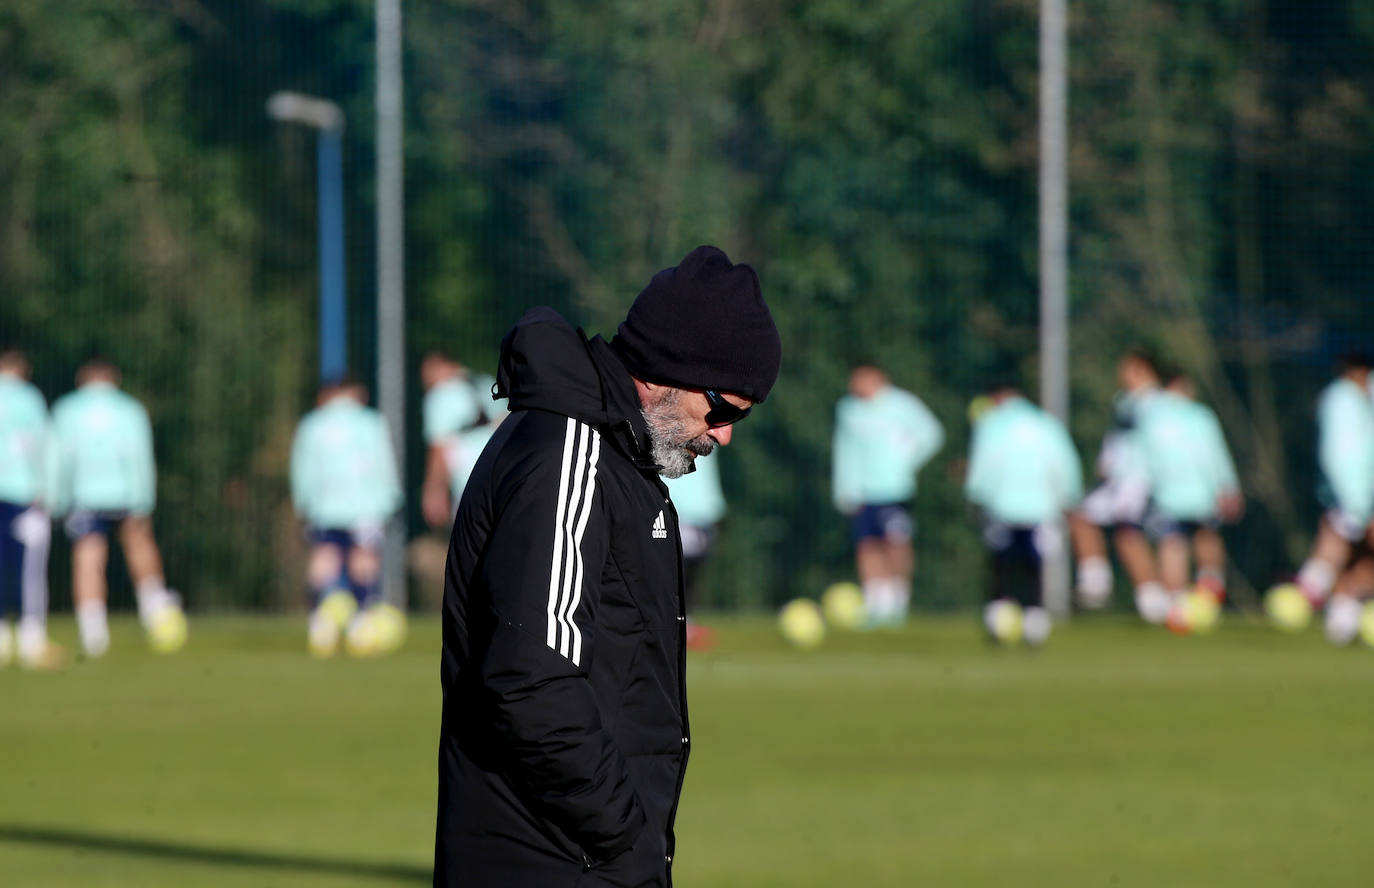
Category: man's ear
[649,392]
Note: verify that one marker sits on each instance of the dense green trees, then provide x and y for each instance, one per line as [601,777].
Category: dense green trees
[875,161]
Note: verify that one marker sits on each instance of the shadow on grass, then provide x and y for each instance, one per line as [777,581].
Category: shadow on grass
[110,844]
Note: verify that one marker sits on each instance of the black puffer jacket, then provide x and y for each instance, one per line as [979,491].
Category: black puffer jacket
[564,736]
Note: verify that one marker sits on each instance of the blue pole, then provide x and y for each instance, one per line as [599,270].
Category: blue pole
[333,308]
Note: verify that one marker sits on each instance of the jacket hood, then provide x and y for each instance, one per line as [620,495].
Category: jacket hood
[547,365]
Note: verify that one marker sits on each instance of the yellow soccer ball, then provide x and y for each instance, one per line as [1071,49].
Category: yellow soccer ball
[1003,620]
[389,625]
[1201,611]
[801,623]
[167,630]
[1287,608]
[843,604]
[362,638]
[338,606]
[1367,623]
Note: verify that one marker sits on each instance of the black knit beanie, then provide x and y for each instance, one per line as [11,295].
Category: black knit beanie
[703,325]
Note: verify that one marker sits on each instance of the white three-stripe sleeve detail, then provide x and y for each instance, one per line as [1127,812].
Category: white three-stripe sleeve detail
[556,567]
[570,543]
[577,547]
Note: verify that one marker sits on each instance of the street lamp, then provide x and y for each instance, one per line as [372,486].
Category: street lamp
[328,118]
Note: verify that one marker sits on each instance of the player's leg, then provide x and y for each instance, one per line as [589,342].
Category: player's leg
[1174,562]
[145,567]
[332,603]
[1093,587]
[871,556]
[435,502]
[870,562]
[365,572]
[1034,543]
[325,567]
[1001,595]
[1209,551]
[1330,552]
[1348,592]
[33,530]
[894,562]
[1137,556]
[1357,581]
[90,555]
[901,563]
[11,553]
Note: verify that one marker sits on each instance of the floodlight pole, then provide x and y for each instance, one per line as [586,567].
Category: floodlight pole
[326,117]
[391,391]
[1054,256]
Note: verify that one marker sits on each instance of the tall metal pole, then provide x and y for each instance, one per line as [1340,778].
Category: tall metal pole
[391,271]
[333,301]
[1054,254]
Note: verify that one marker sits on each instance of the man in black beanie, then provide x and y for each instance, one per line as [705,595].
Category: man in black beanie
[564,736]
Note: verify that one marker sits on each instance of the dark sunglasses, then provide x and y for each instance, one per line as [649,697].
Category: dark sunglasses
[722,412]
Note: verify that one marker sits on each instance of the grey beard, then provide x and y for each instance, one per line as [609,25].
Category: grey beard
[671,447]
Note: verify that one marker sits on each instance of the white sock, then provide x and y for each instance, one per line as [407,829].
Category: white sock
[1036,625]
[152,597]
[33,637]
[6,643]
[94,628]
[1315,579]
[898,599]
[1342,619]
[1152,602]
[875,601]
[1094,582]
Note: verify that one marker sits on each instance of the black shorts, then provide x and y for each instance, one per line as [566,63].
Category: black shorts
[87,522]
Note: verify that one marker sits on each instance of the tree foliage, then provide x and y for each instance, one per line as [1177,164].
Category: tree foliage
[876,162]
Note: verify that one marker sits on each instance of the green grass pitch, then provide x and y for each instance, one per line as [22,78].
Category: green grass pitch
[1118,756]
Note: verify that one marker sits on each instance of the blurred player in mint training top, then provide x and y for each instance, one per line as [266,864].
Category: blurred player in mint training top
[1024,476]
[700,505]
[1193,487]
[105,478]
[25,530]
[459,418]
[1345,456]
[344,484]
[883,435]
[1119,502]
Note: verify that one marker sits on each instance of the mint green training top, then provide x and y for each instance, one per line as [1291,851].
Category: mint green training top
[23,441]
[1185,452]
[343,467]
[102,452]
[697,495]
[1023,468]
[1345,447]
[879,444]
[449,408]
[460,417]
